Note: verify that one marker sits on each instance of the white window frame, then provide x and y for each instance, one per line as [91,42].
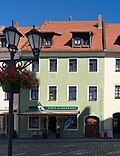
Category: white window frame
[88,93]
[34,128]
[117,70]
[68,65]
[97,65]
[49,65]
[38,94]
[118,91]
[56,93]
[35,71]
[68,93]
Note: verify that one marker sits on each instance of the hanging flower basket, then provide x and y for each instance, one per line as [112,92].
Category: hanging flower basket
[15,88]
[17,78]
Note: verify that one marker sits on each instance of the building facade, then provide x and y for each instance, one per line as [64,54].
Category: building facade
[70,94]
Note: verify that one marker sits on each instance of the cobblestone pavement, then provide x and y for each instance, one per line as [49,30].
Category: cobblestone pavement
[62,147]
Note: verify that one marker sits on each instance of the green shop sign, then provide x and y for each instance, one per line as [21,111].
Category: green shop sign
[40,106]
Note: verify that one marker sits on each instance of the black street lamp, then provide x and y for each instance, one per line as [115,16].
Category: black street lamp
[13,37]
[34,38]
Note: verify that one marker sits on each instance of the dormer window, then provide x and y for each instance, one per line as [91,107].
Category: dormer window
[3,42]
[47,42]
[81,39]
[47,39]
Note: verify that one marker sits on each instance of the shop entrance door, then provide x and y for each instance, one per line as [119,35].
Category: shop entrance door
[52,124]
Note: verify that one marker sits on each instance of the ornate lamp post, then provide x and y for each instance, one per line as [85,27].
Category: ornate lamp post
[13,37]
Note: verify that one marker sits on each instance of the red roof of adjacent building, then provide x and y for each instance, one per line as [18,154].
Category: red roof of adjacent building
[112,32]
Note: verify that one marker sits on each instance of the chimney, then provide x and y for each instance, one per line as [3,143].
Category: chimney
[99,21]
[15,24]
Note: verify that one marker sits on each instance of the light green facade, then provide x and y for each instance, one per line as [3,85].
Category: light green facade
[62,79]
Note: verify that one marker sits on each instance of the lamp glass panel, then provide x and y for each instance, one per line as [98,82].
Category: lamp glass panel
[11,35]
[30,39]
[17,38]
[7,38]
[36,41]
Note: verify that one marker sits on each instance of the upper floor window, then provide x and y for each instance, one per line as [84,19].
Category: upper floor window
[117,68]
[3,42]
[72,65]
[34,93]
[117,92]
[81,39]
[92,65]
[35,66]
[52,93]
[72,93]
[92,93]
[53,65]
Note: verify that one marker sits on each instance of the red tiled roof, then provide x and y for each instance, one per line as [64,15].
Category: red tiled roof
[65,29]
[112,32]
[62,32]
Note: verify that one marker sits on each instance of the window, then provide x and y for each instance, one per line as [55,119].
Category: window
[77,41]
[72,93]
[117,64]
[117,92]
[3,42]
[53,65]
[72,65]
[33,122]
[70,123]
[92,65]
[7,96]
[73,124]
[52,93]
[81,39]
[35,93]
[35,66]
[92,93]
[47,42]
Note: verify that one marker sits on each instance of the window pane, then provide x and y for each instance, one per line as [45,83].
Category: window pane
[35,66]
[53,65]
[86,41]
[52,93]
[117,91]
[77,41]
[92,93]
[33,122]
[72,93]
[70,123]
[72,65]
[117,64]
[93,65]
[35,93]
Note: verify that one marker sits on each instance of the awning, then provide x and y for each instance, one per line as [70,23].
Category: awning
[50,113]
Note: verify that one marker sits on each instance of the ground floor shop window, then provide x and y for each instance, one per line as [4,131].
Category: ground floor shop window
[70,123]
[33,123]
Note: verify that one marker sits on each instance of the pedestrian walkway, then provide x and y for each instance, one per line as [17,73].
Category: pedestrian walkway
[62,146]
